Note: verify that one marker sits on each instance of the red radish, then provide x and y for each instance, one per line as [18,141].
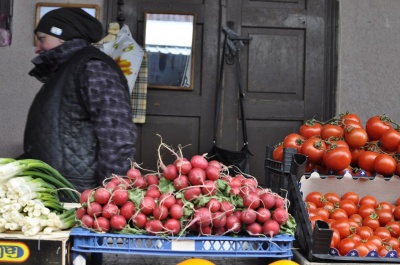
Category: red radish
[151,179]
[117,222]
[271,228]
[109,210]
[80,212]
[127,210]
[252,182]
[212,172]
[120,196]
[233,224]
[240,177]
[252,200]
[245,190]
[169,172]
[254,229]
[153,227]
[87,221]
[147,205]
[226,178]
[140,183]
[213,205]
[279,202]
[218,219]
[205,230]
[133,174]
[153,192]
[176,211]
[209,188]
[263,215]
[183,165]
[139,220]
[227,207]
[181,182]
[268,200]
[192,193]
[101,224]
[238,213]
[167,199]
[110,185]
[235,183]
[94,209]
[199,161]
[234,191]
[202,217]
[86,197]
[179,202]
[172,227]
[248,216]
[121,182]
[280,215]
[197,176]
[215,163]
[219,231]
[160,212]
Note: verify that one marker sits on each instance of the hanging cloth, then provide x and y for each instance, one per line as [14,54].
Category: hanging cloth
[120,45]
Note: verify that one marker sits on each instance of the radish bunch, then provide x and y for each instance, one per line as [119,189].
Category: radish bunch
[189,196]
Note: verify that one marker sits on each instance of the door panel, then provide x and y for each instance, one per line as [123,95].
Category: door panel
[285,71]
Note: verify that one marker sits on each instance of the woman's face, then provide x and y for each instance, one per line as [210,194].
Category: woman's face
[46,42]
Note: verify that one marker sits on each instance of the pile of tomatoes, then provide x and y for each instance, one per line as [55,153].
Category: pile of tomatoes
[358,223]
[343,144]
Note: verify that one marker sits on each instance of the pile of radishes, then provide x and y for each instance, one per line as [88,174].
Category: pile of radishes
[195,196]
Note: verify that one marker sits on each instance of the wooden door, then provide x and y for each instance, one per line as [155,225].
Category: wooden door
[286,70]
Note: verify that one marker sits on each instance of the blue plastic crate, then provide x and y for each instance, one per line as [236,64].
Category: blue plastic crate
[85,241]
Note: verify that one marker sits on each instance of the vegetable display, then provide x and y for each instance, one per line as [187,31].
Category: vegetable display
[359,223]
[343,144]
[29,198]
[189,196]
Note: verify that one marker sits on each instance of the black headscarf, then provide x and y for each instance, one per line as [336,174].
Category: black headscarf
[71,23]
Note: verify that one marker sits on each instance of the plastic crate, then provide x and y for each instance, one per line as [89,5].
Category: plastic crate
[85,241]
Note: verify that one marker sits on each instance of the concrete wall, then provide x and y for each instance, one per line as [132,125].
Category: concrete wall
[368,78]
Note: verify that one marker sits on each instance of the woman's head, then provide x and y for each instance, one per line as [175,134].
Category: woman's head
[66,24]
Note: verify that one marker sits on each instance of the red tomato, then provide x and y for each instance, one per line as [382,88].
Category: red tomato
[336,143]
[356,137]
[315,197]
[345,245]
[338,213]
[384,216]
[368,199]
[383,250]
[311,207]
[376,126]
[356,217]
[371,221]
[348,206]
[314,148]
[364,232]
[386,205]
[350,195]
[350,116]
[376,240]
[365,210]
[355,153]
[383,233]
[313,219]
[331,132]
[366,160]
[277,154]
[362,249]
[393,242]
[323,213]
[310,167]
[332,197]
[293,140]
[385,165]
[335,238]
[343,226]
[390,140]
[348,124]
[337,158]
[310,128]
[394,228]
[329,206]
[396,213]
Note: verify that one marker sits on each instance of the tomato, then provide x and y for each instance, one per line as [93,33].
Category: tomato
[277,154]
[356,237]
[338,213]
[311,207]
[313,219]
[350,116]
[365,210]
[376,126]
[371,221]
[348,124]
[362,249]
[293,140]
[398,201]
[368,199]
[396,213]
[383,233]
[331,131]
[337,158]
[310,128]
[356,217]
[343,226]
[385,165]
[364,232]
[376,240]
[332,197]
[383,251]
[393,242]
[390,140]
[329,206]
[348,206]
[314,148]
[384,216]
[353,223]
[355,153]
[394,228]
[315,197]
[366,160]
[310,167]
[386,205]
[352,196]
[356,137]
[336,143]
[345,245]
[323,213]
[335,238]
